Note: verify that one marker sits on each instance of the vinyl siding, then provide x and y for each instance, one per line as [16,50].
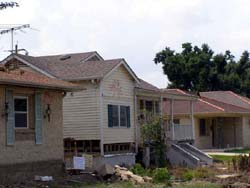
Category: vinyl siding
[118,89]
[81,113]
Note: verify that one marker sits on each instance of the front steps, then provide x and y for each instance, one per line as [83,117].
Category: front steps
[187,155]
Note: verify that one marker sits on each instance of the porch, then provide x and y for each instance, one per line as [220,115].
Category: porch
[218,132]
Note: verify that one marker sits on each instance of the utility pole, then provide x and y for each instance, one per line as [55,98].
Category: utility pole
[11,30]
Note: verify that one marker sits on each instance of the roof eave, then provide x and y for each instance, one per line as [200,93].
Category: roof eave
[62,88]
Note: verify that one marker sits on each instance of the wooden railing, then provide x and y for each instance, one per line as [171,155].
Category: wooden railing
[182,132]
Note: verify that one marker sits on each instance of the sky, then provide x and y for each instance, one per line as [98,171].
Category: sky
[132,29]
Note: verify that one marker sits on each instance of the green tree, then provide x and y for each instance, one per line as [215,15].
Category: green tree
[200,69]
[153,136]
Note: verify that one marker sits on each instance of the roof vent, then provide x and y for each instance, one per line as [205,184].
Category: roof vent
[64,57]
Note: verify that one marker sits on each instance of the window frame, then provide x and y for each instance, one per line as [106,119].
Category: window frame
[126,116]
[21,112]
[119,117]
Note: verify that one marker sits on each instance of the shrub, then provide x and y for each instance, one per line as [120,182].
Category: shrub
[161,175]
[138,169]
[188,175]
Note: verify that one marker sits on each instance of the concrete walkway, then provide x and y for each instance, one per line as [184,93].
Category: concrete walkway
[226,153]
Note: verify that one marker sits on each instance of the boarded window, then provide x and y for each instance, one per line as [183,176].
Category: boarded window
[21,112]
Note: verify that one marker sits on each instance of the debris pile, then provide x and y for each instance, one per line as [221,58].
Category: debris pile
[125,175]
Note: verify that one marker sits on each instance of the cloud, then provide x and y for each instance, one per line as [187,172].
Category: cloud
[133,29]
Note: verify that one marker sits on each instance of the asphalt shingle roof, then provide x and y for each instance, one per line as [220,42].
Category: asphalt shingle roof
[147,86]
[73,68]
[31,79]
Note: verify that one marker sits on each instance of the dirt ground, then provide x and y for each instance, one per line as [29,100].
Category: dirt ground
[240,180]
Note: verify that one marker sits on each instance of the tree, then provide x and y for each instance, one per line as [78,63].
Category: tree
[200,69]
[153,137]
[4,5]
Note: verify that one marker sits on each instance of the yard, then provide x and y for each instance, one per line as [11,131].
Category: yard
[130,185]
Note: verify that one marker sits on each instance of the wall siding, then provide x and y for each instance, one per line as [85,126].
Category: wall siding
[118,89]
[81,113]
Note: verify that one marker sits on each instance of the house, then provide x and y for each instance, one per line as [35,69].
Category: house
[221,118]
[101,121]
[31,126]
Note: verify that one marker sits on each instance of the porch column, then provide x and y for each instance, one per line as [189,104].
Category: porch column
[192,118]
[136,123]
[172,117]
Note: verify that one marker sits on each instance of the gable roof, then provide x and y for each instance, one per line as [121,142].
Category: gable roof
[31,79]
[77,67]
[203,105]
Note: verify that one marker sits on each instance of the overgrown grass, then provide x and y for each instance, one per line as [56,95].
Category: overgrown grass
[247,150]
[222,158]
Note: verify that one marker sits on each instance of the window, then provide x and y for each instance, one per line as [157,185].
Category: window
[203,128]
[21,112]
[176,121]
[141,104]
[117,148]
[123,116]
[118,116]
[149,106]
[157,107]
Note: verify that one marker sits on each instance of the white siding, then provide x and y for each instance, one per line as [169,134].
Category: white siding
[118,89]
[82,113]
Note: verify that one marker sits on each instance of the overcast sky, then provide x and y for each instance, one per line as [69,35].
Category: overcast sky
[132,29]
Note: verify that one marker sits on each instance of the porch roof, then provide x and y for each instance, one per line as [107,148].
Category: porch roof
[203,105]
[30,79]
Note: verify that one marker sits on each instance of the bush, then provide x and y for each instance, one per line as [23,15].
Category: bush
[188,175]
[138,169]
[161,175]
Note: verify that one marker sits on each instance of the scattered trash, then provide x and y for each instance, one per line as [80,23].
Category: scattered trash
[224,176]
[43,178]
[125,175]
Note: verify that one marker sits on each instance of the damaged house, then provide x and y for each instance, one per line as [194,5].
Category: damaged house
[99,120]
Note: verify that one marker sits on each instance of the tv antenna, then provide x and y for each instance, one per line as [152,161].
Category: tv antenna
[11,30]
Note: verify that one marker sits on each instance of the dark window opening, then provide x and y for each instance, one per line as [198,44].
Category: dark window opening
[203,128]
[21,112]
[176,121]
[149,106]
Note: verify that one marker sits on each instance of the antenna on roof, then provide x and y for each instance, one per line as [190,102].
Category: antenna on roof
[11,30]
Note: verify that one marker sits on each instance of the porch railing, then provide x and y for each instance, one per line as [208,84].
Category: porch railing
[182,132]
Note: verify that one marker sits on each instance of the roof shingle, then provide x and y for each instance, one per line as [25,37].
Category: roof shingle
[74,68]
[31,79]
